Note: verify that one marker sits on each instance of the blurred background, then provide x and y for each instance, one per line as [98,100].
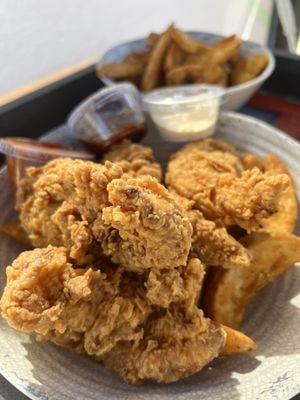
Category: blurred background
[48,50]
[39,38]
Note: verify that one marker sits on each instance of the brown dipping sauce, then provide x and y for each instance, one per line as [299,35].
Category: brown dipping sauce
[134,132]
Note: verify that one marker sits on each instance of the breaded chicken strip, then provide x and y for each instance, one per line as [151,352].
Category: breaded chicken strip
[210,173]
[213,245]
[135,159]
[173,348]
[85,310]
[84,207]
[107,314]
[183,284]
[285,218]
[144,227]
[60,201]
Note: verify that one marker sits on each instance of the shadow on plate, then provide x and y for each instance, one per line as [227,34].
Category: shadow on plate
[61,374]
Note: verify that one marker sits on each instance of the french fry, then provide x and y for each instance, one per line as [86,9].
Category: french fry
[228,292]
[194,74]
[211,74]
[152,72]
[124,70]
[152,39]
[187,43]
[235,59]
[246,69]
[223,79]
[223,50]
[184,74]
[137,58]
[194,59]
[174,56]
[236,342]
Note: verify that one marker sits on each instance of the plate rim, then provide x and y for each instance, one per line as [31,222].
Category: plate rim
[224,116]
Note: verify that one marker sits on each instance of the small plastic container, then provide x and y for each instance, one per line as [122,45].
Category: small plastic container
[108,116]
[21,153]
[185,113]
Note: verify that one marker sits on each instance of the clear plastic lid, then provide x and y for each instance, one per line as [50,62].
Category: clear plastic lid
[108,116]
[21,153]
[103,95]
[184,95]
[33,150]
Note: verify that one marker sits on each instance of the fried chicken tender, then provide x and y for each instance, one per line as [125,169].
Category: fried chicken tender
[182,284]
[135,159]
[60,201]
[84,207]
[144,227]
[173,348]
[285,218]
[84,309]
[210,173]
[106,313]
[213,245]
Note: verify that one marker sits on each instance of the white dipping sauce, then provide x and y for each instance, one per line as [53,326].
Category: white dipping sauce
[185,112]
[188,123]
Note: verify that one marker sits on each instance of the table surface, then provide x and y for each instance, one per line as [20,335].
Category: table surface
[8,392]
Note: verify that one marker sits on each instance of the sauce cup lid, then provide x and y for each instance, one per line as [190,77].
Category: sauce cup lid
[184,95]
[102,95]
[29,149]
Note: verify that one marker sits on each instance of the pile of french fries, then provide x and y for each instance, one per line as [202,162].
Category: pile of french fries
[175,58]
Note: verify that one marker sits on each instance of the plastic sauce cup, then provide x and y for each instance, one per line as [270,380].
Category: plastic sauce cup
[108,116]
[21,153]
[184,113]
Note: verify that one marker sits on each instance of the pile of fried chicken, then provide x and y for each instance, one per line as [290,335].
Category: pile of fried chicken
[150,279]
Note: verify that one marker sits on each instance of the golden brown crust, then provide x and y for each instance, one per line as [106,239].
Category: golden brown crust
[83,206]
[59,201]
[135,159]
[106,313]
[210,173]
[214,246]
[145,220]
[285,218]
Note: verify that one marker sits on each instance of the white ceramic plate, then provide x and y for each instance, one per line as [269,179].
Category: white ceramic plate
[236,96]
[46,372]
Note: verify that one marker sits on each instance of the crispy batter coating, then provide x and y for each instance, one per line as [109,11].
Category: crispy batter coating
[173,348]
[213,245]
[210,173]
[59,202]
[285,218]
[182,284]
[84,207]
[84,309]
[107,313]
[144,227]
[135,159]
